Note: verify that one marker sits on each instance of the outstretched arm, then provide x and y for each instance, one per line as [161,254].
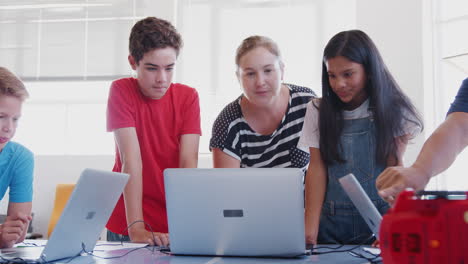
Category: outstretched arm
[315,186]
[437,154]
[188,156]
[129,148]
[223,160]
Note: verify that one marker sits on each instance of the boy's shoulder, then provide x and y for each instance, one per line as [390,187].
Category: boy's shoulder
[183,89]
[125,87]
[19,150]
[181,95]
[128,82]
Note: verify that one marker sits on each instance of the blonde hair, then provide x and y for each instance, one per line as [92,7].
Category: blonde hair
[253,42]
[11,85]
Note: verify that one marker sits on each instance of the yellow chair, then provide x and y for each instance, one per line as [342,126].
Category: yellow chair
[62,194]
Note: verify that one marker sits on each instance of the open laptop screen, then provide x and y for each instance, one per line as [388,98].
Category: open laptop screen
[235,212]
[362,202]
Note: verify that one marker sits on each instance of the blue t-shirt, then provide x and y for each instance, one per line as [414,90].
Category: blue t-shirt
[461,100]
[16,172]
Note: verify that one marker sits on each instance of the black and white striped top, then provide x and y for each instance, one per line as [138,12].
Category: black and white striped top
[232,134]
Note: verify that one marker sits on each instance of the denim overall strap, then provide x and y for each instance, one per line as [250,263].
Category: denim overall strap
[340,222]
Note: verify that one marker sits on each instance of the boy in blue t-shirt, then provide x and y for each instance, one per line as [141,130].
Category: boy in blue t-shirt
[16,162]
[437,154]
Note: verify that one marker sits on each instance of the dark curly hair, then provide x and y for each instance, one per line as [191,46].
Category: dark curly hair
[153,33]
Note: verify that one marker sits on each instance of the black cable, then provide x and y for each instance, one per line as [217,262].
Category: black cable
[374,259]
[138,221]
[90,253]
[329,247]
[336,250]
[74,257]
[346,242]
[14,260]
[161,249]
[166,250]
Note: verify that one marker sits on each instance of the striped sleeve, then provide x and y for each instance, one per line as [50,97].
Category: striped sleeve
[224,133]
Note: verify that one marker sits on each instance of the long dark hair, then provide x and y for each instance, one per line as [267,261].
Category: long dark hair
[389,105]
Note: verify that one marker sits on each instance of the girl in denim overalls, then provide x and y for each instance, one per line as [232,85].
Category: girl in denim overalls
[361,125]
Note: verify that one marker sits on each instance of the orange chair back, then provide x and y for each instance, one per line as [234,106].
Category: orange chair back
[62,194]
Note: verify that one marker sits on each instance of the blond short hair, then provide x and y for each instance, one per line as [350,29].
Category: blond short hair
[11,85]
[253,42]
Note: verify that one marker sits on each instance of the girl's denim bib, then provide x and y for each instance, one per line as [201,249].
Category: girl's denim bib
[340,221]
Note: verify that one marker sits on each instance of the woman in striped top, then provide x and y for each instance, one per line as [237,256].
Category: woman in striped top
[261,128]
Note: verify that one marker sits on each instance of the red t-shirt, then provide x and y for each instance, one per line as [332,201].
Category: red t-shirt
[159,125]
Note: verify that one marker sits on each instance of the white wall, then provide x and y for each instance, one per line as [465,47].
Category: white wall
[397,27]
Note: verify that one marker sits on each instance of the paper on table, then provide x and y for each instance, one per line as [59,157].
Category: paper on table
[32,243]
[100,245]
[108,245]
[372,250]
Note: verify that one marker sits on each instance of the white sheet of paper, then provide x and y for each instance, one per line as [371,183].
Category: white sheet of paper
[100,246]
[372,250]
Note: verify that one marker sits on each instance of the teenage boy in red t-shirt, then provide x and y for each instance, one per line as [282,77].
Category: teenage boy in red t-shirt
[156,125]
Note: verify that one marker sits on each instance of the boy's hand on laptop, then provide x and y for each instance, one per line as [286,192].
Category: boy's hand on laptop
[142,235]
[12,230]
[161,239]
[394,180]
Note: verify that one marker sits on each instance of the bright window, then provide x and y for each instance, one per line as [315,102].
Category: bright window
[66,118]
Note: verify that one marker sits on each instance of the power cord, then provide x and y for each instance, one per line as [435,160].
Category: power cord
[135,222]
[90,253]
[150,248]
[337,248]
[14,260]
[375,258]
[161,249]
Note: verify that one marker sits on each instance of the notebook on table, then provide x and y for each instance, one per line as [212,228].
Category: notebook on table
[235,212]
[82,220]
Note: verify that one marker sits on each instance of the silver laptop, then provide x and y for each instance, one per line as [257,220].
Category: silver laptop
[235,212]
[82,220]
[362,202]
